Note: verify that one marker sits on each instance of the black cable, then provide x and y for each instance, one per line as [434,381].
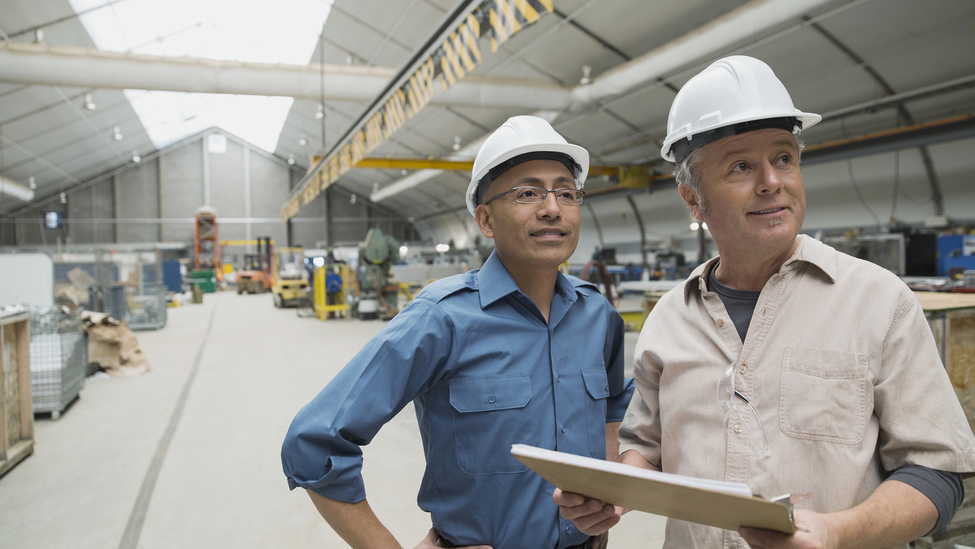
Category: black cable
[856,189]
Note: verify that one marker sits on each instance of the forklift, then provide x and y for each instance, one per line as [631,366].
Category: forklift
[254,276]
[290,277]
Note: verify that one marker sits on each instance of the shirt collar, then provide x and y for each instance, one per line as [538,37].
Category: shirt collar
[494,282]
[810,251]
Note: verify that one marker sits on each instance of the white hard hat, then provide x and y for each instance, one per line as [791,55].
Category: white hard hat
[520,139]
[733,95]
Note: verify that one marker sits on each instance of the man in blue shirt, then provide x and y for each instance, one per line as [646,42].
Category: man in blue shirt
[514,352]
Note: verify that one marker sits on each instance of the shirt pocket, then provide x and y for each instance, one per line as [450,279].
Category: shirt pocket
[823,395]
[597,388]
[491,415]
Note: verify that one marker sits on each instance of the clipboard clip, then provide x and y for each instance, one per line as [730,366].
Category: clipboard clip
[788,500]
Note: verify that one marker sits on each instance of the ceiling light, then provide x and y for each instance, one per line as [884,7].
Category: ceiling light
[403,251]
[303,141]
[375,186]
[352,199]
[695,226]
[402,172]
[321,112]
[586,69]
[39,35]
[64,198]
[348,59]
[704,226]
[135,156]
[291,159]
[32,182]
[89,104]
[442,248]
[456,146]
[116,134]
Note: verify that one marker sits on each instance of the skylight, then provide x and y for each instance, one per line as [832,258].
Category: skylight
[285,31]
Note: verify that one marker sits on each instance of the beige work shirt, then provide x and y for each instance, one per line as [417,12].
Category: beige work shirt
[839,363]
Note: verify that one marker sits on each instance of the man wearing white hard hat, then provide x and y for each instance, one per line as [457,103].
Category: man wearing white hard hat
[784,364]
[515,352]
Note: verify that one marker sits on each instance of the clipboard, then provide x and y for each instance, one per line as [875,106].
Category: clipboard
[712,503]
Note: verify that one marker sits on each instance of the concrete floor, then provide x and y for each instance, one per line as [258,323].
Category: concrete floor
[188,455]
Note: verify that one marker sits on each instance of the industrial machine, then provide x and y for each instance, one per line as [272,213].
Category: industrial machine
[254,276]
[290,277]
[332,286]
[205,274]
[377,295]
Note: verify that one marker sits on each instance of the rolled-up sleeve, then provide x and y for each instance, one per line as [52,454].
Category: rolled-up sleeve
[912,388]
[620,388]
[321,451]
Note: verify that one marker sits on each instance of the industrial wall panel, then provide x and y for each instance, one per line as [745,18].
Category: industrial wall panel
[30,229]
[181,190]
[137,197]
[79,216]
[227,180]
[349,221]
[309,226]
[103,211]
[269,183]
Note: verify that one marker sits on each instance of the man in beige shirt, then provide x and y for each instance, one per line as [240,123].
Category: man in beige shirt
[784,364]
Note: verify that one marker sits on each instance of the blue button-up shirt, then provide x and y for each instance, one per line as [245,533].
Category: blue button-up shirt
[484,371]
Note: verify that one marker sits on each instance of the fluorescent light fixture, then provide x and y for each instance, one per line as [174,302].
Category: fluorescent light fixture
[442,248]
[211,29]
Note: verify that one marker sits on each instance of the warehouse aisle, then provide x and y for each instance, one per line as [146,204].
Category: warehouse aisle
[188,455]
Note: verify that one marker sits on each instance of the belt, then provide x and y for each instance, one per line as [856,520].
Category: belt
[444,543]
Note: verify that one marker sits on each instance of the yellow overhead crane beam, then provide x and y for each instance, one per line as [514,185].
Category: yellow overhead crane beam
[450,54]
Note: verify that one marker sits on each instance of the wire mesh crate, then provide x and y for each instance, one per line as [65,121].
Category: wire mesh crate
[58,358]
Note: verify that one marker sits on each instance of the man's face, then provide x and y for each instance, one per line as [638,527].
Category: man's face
[531,236]
[751,193]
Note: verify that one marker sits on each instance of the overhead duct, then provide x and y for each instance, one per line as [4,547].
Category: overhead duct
[15,190]
[39,63]
[740,24]
[90,68]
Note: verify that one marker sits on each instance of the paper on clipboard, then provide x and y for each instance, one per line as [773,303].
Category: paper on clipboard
[720,504]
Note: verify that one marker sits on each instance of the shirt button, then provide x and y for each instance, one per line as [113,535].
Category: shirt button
[558,379]
[720,323]
[743,369]
[568,530]
[563,428]
[491,399]
[738,428]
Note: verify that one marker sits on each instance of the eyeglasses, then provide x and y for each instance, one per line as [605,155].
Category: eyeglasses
[727,395]
[537,195]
